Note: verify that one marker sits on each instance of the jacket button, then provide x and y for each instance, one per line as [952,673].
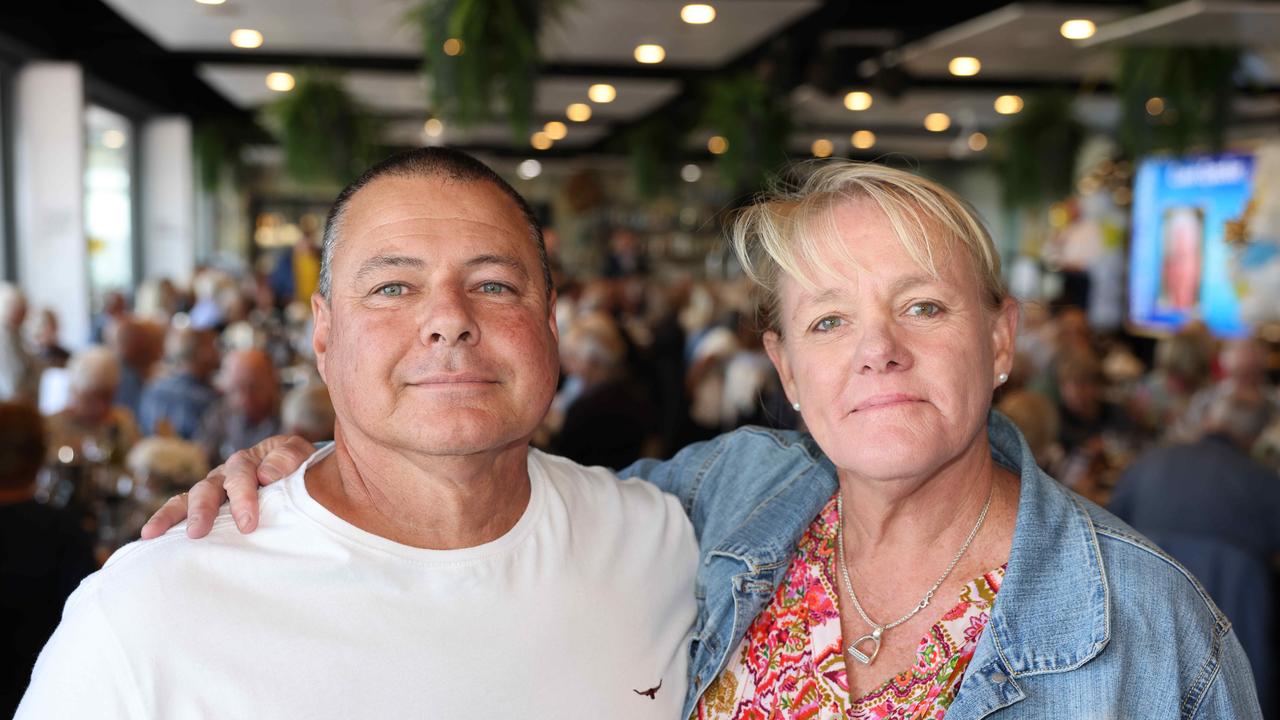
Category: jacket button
[999,678]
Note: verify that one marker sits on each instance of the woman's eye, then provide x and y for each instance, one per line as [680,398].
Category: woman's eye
[924,309]
[828,323]
[392,290]
[493,288]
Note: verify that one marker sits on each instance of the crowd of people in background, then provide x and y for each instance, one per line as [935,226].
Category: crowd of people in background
[177,378]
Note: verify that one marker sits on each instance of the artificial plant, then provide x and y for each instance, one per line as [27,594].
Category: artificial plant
[328,138]
[1036,152]
[1195,87]
[755,118]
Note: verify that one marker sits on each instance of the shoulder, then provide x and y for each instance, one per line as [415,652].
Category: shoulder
[596,489]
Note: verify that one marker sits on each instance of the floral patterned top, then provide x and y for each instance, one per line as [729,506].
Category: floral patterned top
[791,663]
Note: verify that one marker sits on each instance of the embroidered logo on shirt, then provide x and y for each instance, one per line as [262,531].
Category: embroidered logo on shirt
[652,692]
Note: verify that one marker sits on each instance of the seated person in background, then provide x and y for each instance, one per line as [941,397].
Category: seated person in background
[44,553]
[308,413]
[428,563]
[180,399]
[138,345]
[44,332]
[19,371]
[92,424]
[248,409]
[1206,501]
[1244,369]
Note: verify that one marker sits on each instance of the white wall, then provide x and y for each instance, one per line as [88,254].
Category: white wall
[168,199]
[49,194]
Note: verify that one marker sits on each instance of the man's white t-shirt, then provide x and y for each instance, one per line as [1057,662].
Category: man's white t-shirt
[579,611]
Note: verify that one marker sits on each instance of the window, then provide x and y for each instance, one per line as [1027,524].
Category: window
[109,186]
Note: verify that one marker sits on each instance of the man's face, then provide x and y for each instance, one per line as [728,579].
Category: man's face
[438,337]
[250,388]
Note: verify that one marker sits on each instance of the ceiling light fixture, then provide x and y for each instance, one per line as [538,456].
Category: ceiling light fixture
[433,127]
[555,130]
[246,38]
[113,139]
[937,122]
[697,13]
[210,2]
[540,141]
[978,142]
[1155,106]
[822,148]
[578,112]
[1078,29]
[717,145]
[691,173]
[1008,104]
[453,47]
[964,66]
[280,81]
[602,93]
[863,139]
[650,54]
[857,100]
[529,169]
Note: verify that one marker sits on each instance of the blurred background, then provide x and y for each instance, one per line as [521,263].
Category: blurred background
[166,167]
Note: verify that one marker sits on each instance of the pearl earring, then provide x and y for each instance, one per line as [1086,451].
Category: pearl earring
[795,406]
[1002,378]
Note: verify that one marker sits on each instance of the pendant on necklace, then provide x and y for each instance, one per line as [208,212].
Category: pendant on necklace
[872,640]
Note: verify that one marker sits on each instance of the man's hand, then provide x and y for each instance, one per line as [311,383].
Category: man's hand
[238,479]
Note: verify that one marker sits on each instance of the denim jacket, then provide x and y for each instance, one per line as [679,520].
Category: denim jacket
[1092,620]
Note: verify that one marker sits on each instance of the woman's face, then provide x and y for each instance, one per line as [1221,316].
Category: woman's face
[893,368]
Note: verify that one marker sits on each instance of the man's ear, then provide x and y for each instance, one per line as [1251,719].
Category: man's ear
[778,354]
[320,313]
[551,317]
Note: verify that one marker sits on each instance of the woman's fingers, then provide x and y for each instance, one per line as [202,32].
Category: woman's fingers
[203,501]
[171,513]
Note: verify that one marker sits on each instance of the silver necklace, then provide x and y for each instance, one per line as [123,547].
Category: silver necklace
[872,639]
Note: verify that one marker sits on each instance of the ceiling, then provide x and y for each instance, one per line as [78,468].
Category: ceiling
[895,50]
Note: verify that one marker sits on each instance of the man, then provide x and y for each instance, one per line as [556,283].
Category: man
[428,563]
[248,411]
[19,371]
[1217,511]
[44,553]
[138,345]
[181,399]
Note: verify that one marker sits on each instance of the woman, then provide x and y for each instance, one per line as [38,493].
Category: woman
[899,561]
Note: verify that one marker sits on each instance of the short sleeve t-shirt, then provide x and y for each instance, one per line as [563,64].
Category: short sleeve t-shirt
[582,609]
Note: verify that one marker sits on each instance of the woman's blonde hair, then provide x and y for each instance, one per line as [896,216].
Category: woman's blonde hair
[775,235]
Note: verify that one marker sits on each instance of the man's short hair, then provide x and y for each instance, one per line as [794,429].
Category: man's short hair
[427,162]
[22,445]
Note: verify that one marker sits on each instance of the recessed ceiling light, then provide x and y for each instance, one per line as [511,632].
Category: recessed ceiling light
[697,13]
[280,81]
[433,127]
[1155,106]
[717,145]
[937,122]
[822,148]
[1008,104]
[691,173]
[210,2]
[540,141]
[863,139]
[857,100]
[452,47]
[113,139]
[1078,29]
[650,54]
[964,66]
[578,112]
[246,38]
[555,130]
[602,93]
[978,142]
[529,169]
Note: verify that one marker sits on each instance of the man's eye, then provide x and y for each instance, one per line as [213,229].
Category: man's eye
[828,324]
[392,290]
[494,288]
[924,309]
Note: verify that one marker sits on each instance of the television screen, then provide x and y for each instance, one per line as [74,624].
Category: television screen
[1178,258]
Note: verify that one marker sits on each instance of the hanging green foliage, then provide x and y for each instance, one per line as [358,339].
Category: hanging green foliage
[217,144]
[327,137]
[482,57]
[654,149]
[1173,98]
[755,120]
[1036,152]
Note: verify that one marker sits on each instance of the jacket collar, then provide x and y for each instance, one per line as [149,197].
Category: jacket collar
[1053,610]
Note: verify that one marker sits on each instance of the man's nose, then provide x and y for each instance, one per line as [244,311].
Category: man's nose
[449,320]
